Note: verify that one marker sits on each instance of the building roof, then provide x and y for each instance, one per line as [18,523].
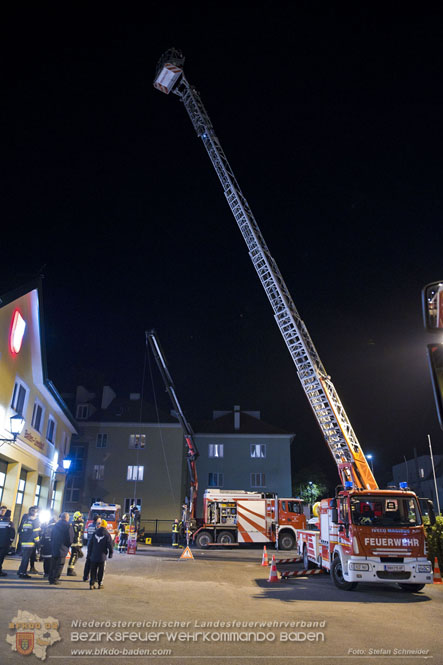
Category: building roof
[126,410]
[225,424]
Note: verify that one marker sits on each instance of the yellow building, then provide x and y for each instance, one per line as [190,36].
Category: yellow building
[31,465]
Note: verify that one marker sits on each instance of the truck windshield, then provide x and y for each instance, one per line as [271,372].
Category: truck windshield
[294,507]
[385,511]
[104,514]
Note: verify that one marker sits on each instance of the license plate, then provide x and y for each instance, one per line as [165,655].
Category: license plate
[394,567]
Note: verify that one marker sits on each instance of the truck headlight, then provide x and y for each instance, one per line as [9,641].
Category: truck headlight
[424,568]
[358,566]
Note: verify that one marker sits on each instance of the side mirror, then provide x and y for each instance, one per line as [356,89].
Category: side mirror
[334,515]
[432,302]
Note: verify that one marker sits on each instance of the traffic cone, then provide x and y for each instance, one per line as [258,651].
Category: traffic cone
[273,575]
[437,574]
[264,561]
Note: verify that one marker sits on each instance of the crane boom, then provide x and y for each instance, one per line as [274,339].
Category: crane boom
[191,449]
[317,385]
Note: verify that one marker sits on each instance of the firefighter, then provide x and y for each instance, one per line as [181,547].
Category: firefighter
[7,535]
[135,516]
[33,557]
[175,533]
[76,548]
[99,547]
[123,528]
[46,546]
[29,539]
[62,537]
[92,528]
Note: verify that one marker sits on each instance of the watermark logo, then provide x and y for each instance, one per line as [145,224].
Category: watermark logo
[32,634]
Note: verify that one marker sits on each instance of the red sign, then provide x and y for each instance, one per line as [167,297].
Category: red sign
[18,327]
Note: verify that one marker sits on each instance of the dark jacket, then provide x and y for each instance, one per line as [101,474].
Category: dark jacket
[62,537]
[29,532]
[7,532]
[100,545]
[46,540]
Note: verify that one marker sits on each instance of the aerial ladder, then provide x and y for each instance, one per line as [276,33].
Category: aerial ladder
[189,508]
[317,384]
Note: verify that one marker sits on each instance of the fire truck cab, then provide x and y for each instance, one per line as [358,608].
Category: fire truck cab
[111,512]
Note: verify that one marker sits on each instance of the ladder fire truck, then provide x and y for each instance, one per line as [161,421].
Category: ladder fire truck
[229,516]
[387,544]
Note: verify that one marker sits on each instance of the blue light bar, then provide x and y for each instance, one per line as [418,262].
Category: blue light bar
[349,485]
[403,486]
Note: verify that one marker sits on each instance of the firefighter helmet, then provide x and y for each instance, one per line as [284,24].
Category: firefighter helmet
[77,515]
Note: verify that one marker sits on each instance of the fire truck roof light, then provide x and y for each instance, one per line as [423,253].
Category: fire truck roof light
[349,485]
[403,486]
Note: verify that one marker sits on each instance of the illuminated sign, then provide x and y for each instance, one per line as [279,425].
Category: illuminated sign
[18,326]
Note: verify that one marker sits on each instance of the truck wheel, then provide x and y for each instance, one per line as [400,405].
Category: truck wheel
[226,538]
[337,576]
[203,539]
[306,563]
[286,541]
[411,588]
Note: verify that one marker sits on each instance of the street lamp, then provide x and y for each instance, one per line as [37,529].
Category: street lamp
[16,425]
[66,464]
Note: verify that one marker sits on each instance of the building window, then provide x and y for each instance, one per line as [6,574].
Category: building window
[3,470]
[20,491]
[422,472]
[215,480]
[82,411]
[102,440]
[50,432]
[19,395]
[137,440]
[258,480]
[77,455]
[258,450]
[72,491]
[128,502]
[135,473]
[215,450]
[98,471]
[37,416]
[53,495]
[38,491]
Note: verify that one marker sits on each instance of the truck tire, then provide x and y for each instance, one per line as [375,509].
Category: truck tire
[411,588]
[337,576]
[286,541]
[226,538]
[203,538]
[306,563]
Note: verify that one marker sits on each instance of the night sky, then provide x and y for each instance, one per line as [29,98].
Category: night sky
[331,121]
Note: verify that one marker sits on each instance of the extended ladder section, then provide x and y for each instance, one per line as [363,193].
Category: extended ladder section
[191,449]
[318,387]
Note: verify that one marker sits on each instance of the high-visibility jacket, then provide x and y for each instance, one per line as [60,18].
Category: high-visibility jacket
[30,532]
[77,527]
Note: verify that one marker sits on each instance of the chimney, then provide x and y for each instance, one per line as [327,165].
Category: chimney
[236,418]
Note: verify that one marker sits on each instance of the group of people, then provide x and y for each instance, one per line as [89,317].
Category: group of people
[52,542]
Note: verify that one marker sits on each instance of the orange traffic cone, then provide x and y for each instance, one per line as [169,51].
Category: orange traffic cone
[264,561]
[437,574]
[273,575]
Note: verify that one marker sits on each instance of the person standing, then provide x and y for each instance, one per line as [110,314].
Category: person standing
[92,528]
[76,547]
[29,537]
[62,537]
[46,546]
[175,533]
[99,547]
[123,529]
[33,556]
[7,535]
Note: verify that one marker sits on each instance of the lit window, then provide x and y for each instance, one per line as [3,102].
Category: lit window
[53,496]
[137,440]
[38,490]
[102,440]
[258,480]
[258,449]
[135,473]
[37,416]
[422,472]
[215,450]
[215,480]
[20,491]
[98,471]
[50,432]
